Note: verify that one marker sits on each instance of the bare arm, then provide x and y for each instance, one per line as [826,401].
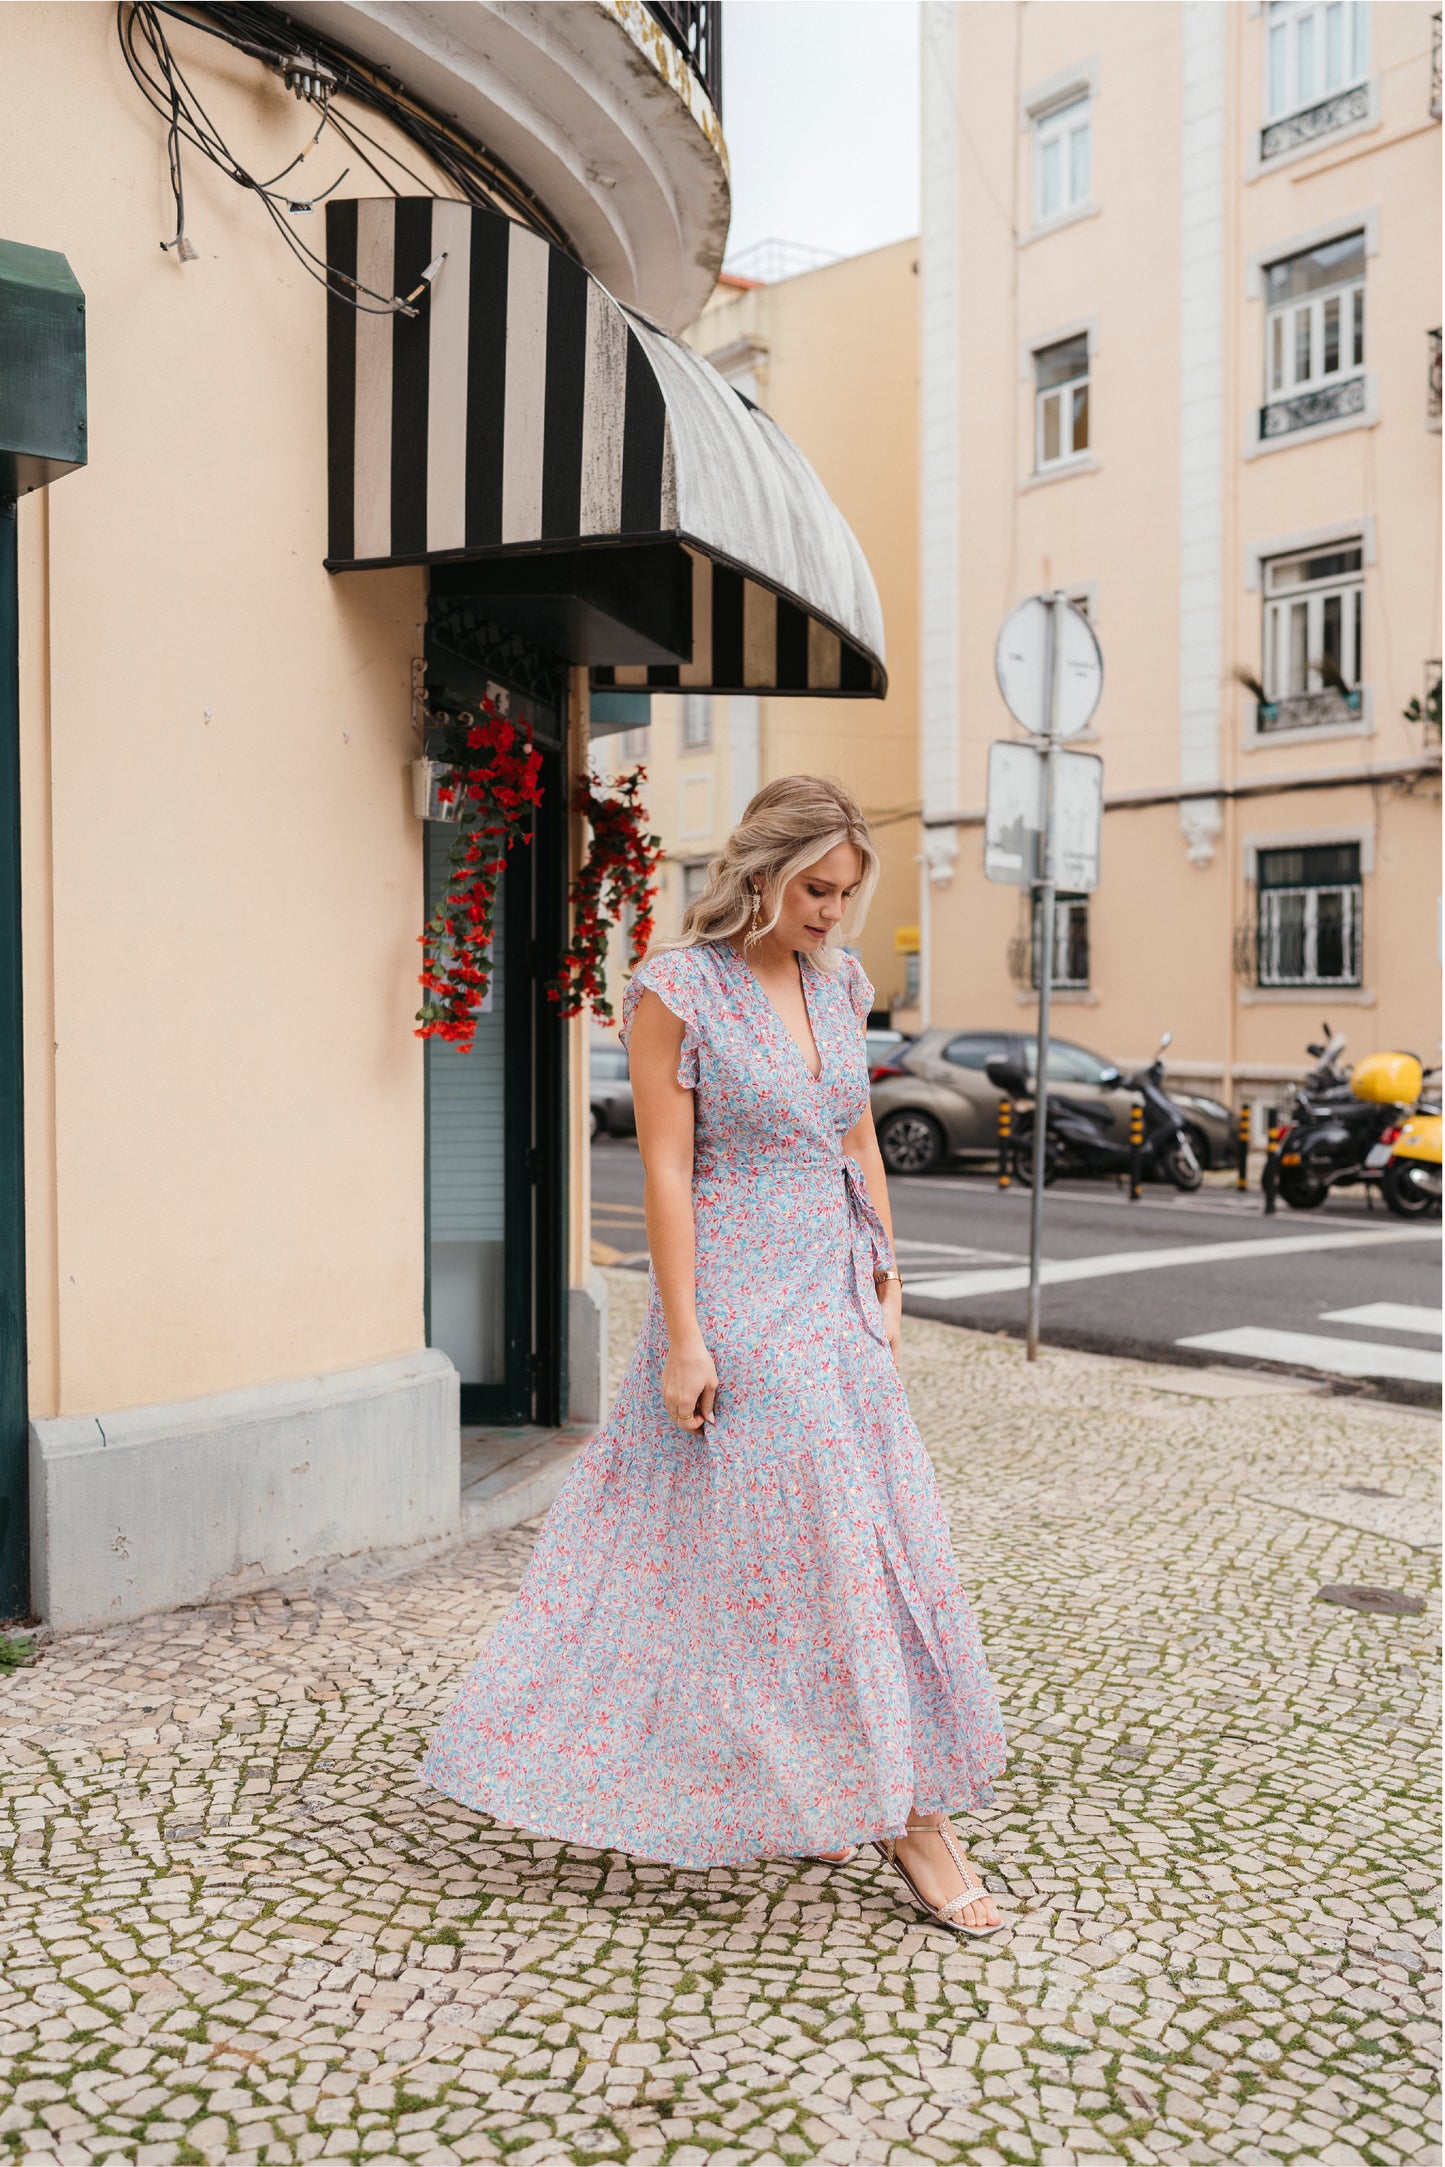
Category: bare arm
[861,1144]
[664,1112]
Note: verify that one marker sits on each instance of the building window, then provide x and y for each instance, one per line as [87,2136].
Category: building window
[1316,60]
[696,722]
[1313,638]
[1071,943]
[1062,159]
[1314,336]
[1061,402]
[1310,916]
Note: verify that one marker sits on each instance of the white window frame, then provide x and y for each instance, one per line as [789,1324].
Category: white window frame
[1296,609]
[1284,323]
[1272,931]
[1301,40]
[695,723]
[1065,907]
[1059,127]
[1069,452]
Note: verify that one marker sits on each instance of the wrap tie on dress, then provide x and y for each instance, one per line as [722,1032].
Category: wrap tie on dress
[871,1248]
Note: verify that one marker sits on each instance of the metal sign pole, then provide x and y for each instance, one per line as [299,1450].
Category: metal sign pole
[1044,892]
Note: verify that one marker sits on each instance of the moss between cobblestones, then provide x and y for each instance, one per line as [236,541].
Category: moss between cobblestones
[226,1904]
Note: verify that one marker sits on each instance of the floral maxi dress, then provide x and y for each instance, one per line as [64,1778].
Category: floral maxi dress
[749,1640]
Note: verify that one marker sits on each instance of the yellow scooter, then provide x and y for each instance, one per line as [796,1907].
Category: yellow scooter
[1406,1161]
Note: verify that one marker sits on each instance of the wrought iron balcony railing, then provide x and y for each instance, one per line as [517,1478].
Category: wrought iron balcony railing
[1435,65]
[1332,402]
[1432,381]
[1316,120]
[695,28]
[1307,711]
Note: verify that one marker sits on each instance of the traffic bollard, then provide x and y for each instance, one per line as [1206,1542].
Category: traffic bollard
[1005,1141]
[1241,1179]
[1270,1175]
[1136,1153]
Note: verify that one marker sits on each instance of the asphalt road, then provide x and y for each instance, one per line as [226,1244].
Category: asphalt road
[1347,1293]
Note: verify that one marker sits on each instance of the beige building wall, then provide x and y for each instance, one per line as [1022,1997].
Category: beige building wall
[1160,528]
[832,357]
[223,874]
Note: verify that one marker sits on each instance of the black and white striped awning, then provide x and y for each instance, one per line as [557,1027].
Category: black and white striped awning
[522,411]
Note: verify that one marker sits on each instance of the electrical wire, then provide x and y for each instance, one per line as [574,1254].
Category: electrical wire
[319,71]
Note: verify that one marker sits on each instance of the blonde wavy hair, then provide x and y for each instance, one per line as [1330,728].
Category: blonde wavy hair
[788,826]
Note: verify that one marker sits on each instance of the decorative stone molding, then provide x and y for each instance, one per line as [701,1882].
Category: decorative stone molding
[940,854]
[1201,823]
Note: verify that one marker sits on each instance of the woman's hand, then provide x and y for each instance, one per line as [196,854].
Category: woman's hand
[890,1301]
[689,1384]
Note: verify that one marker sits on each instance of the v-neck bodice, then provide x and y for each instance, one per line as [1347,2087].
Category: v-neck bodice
[806,970]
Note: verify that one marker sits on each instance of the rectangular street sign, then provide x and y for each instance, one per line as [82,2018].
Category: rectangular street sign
[1013,826]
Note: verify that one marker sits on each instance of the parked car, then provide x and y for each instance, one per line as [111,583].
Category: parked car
[933,1102]
[881,1047]
[611,1089]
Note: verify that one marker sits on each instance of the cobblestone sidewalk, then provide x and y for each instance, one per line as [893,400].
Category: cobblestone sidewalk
[235,1928]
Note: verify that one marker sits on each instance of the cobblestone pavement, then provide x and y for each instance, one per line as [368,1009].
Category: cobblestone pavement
[236,1928]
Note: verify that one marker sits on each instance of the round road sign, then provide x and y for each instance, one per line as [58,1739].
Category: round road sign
[1020,665]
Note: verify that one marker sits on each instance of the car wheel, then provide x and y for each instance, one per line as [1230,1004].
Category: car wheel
[911,1143]
[598,1127]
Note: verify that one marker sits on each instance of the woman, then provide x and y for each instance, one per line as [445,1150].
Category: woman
[742,1632]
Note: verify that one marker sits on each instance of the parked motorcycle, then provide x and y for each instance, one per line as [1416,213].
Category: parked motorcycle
[1407,1158]
[1335,1130]
[1079,1132]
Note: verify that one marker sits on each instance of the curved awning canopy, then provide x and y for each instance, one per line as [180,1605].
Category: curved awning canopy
[585,472]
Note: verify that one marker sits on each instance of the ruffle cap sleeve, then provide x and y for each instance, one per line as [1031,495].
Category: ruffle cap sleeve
[673,976]
[860,989]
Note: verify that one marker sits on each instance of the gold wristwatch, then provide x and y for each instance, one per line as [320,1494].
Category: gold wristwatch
[881,1279]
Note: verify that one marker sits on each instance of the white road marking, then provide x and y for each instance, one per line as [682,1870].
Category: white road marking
[1312,1350]
[1388,1317]
[957,1286]
[918,1249]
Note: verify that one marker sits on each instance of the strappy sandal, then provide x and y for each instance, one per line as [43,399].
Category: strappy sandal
[845,1857]
[942,1914]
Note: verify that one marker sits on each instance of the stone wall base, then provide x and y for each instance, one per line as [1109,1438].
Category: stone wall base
[587,1350]
[193,1501]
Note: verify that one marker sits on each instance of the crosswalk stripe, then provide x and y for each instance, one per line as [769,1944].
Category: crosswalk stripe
[955,1286]
[1388,1317]
[1314,1350]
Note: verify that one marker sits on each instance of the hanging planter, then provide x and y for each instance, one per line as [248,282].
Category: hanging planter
[433,794]
[486,781]
[619,872]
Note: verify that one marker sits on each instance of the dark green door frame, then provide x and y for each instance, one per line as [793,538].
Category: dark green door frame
[14,1394]
[42,436]
[463,658]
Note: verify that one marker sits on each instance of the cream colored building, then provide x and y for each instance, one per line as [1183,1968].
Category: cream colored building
[271,1249]
[1180,290]
[832,355]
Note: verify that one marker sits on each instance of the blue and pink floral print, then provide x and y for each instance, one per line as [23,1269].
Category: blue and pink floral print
[749,1640]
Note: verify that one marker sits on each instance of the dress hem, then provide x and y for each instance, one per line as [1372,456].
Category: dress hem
[980,1799]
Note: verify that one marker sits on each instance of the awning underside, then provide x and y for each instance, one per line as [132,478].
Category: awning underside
[599,481]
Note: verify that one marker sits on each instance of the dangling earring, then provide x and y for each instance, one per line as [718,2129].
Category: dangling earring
[757,915]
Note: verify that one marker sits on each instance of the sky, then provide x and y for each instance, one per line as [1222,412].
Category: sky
[820,111]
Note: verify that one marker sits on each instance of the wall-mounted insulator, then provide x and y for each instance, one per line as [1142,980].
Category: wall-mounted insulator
[307,79]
